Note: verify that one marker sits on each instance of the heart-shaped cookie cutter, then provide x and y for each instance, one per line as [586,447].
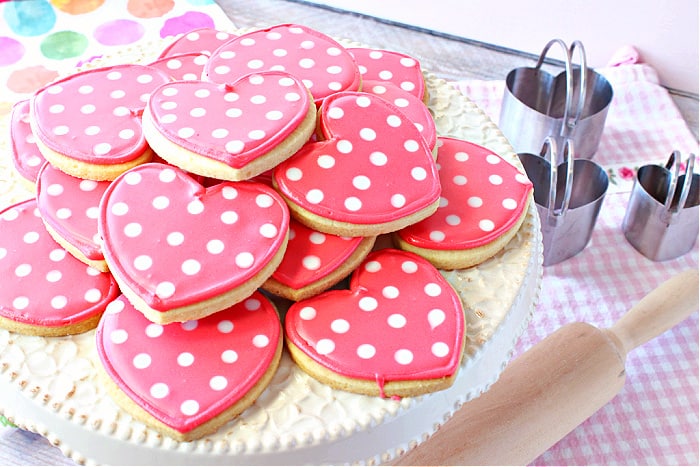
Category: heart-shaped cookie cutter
[568,197]
[570,105]
[661,220]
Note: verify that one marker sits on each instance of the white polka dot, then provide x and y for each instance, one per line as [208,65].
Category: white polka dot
[87,185]
[92,296]
[493,159]
[115,307]
[165,289]
[229,356]
[175,238]
[486,225]
[396,321]
[252,304]
[20,303]
[133,229]
[244,260]
[218,383]
[475,202]
[23,270]
[411,145]
[229,192]
[393,121]
[54,189]
[353,203]
[368,304]
[495,179]
[161,202]
[142,361]
[294,174]
[403,357]
[453,220]
[261,341]
[191,267]
[33,237]
[190,325]
[311,262]
[314,196]
[54,275]
[225,326]
[368,134]
[120,208]
[219,133]
[325,346]
[436,317]
[185,359]
[390,292]
[118,336]
[398,200]
[432,289]
[325,161]
[366,351]
[440,349]
[335,113]
[419,173]
[378,159]
[154,330]
[87,109]
[509,204]
[373,266]
[437,236]
[344,146]
[64,213]
[159,390]
[307,313]
[264,201]
[235,146]
[459,180]
[361,182]
[229,217]
[268,230]
[195,207]
[189,407]
[340,326]
[215,246]
[57,255]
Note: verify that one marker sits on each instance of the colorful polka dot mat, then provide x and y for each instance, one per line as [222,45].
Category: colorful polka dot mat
[42,39]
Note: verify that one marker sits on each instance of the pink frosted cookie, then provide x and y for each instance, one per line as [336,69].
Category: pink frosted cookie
[483,203]
[398,331]
[386,65]
[231,131]
[43,290]
[183,67]
[186,380]
[315,261]
[320,62]
[202,40]
[69,207]
[26,157]
[89,124]
[180,251]
[373,173]
[414,108]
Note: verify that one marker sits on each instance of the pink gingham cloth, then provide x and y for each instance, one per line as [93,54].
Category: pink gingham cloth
[654,418]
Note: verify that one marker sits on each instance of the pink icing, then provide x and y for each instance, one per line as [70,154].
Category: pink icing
[71,207]
[482,197]
[183,67]
[234,123]
[26,156]
[400,320]
[320,62]
[185,374]
[312,255]
[373,167]
[95,116]
[202,40]
[174,242]
[40,284]
[386,65]
[414,108]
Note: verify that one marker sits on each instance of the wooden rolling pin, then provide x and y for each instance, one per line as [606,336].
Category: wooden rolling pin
[556,385]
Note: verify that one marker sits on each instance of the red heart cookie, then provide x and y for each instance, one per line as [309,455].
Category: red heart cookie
[413,107]
[372,174]
[26,157]
[315,261]
[183,67]
[399,330]
[69,207]
[187,379]
[230,131]
[43,290]
[320,62]
[483,203]
[202,40]
[181,251]
[386,65]
[89,124]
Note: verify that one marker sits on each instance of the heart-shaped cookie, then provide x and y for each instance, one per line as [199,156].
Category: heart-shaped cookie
[69,207]
[201,40]
[43,290]
[315,261]
[181,251]
[187,379]
[324,66]
[390,66]
[231,131]
[26,157]
[398,331]
[89,123]
[372,174]
[484,201]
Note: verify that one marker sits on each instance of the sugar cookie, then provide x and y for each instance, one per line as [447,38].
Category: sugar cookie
[26,157]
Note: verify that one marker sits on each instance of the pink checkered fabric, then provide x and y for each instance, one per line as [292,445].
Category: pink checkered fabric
[654,419]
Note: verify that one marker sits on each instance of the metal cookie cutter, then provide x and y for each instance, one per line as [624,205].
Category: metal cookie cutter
[568,198]
[661,220]
[571,105]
